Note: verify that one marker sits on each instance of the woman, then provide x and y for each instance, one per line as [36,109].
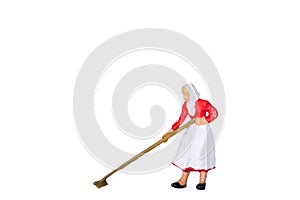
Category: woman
[196,151]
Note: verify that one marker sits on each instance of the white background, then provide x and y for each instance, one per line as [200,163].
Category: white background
[254,44]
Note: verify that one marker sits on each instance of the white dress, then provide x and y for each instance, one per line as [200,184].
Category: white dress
[196,151]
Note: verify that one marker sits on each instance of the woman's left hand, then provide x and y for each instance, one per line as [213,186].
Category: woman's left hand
[201,121]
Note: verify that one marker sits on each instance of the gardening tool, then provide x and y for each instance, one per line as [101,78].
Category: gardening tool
[165,138]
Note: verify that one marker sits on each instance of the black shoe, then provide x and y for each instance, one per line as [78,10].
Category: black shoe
[177,185]
[201,186]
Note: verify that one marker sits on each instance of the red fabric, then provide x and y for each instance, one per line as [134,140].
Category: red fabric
[203,109]
[189,169]
[184,113]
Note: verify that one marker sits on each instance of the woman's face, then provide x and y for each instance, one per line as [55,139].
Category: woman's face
[186,96]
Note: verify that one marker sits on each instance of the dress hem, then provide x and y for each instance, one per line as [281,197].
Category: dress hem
[189,169]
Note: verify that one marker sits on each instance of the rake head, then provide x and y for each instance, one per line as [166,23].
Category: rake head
[100,183]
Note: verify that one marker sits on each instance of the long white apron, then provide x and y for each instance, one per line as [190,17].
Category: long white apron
[197,149]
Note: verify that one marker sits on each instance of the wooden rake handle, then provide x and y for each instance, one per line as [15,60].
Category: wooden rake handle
[167,136]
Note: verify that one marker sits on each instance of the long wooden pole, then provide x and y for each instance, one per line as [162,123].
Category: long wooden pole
[103,182]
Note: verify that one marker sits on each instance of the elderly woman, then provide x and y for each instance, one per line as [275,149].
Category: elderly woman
[196,151]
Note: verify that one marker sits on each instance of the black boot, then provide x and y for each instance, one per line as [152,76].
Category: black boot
[177,185]
[201,186]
